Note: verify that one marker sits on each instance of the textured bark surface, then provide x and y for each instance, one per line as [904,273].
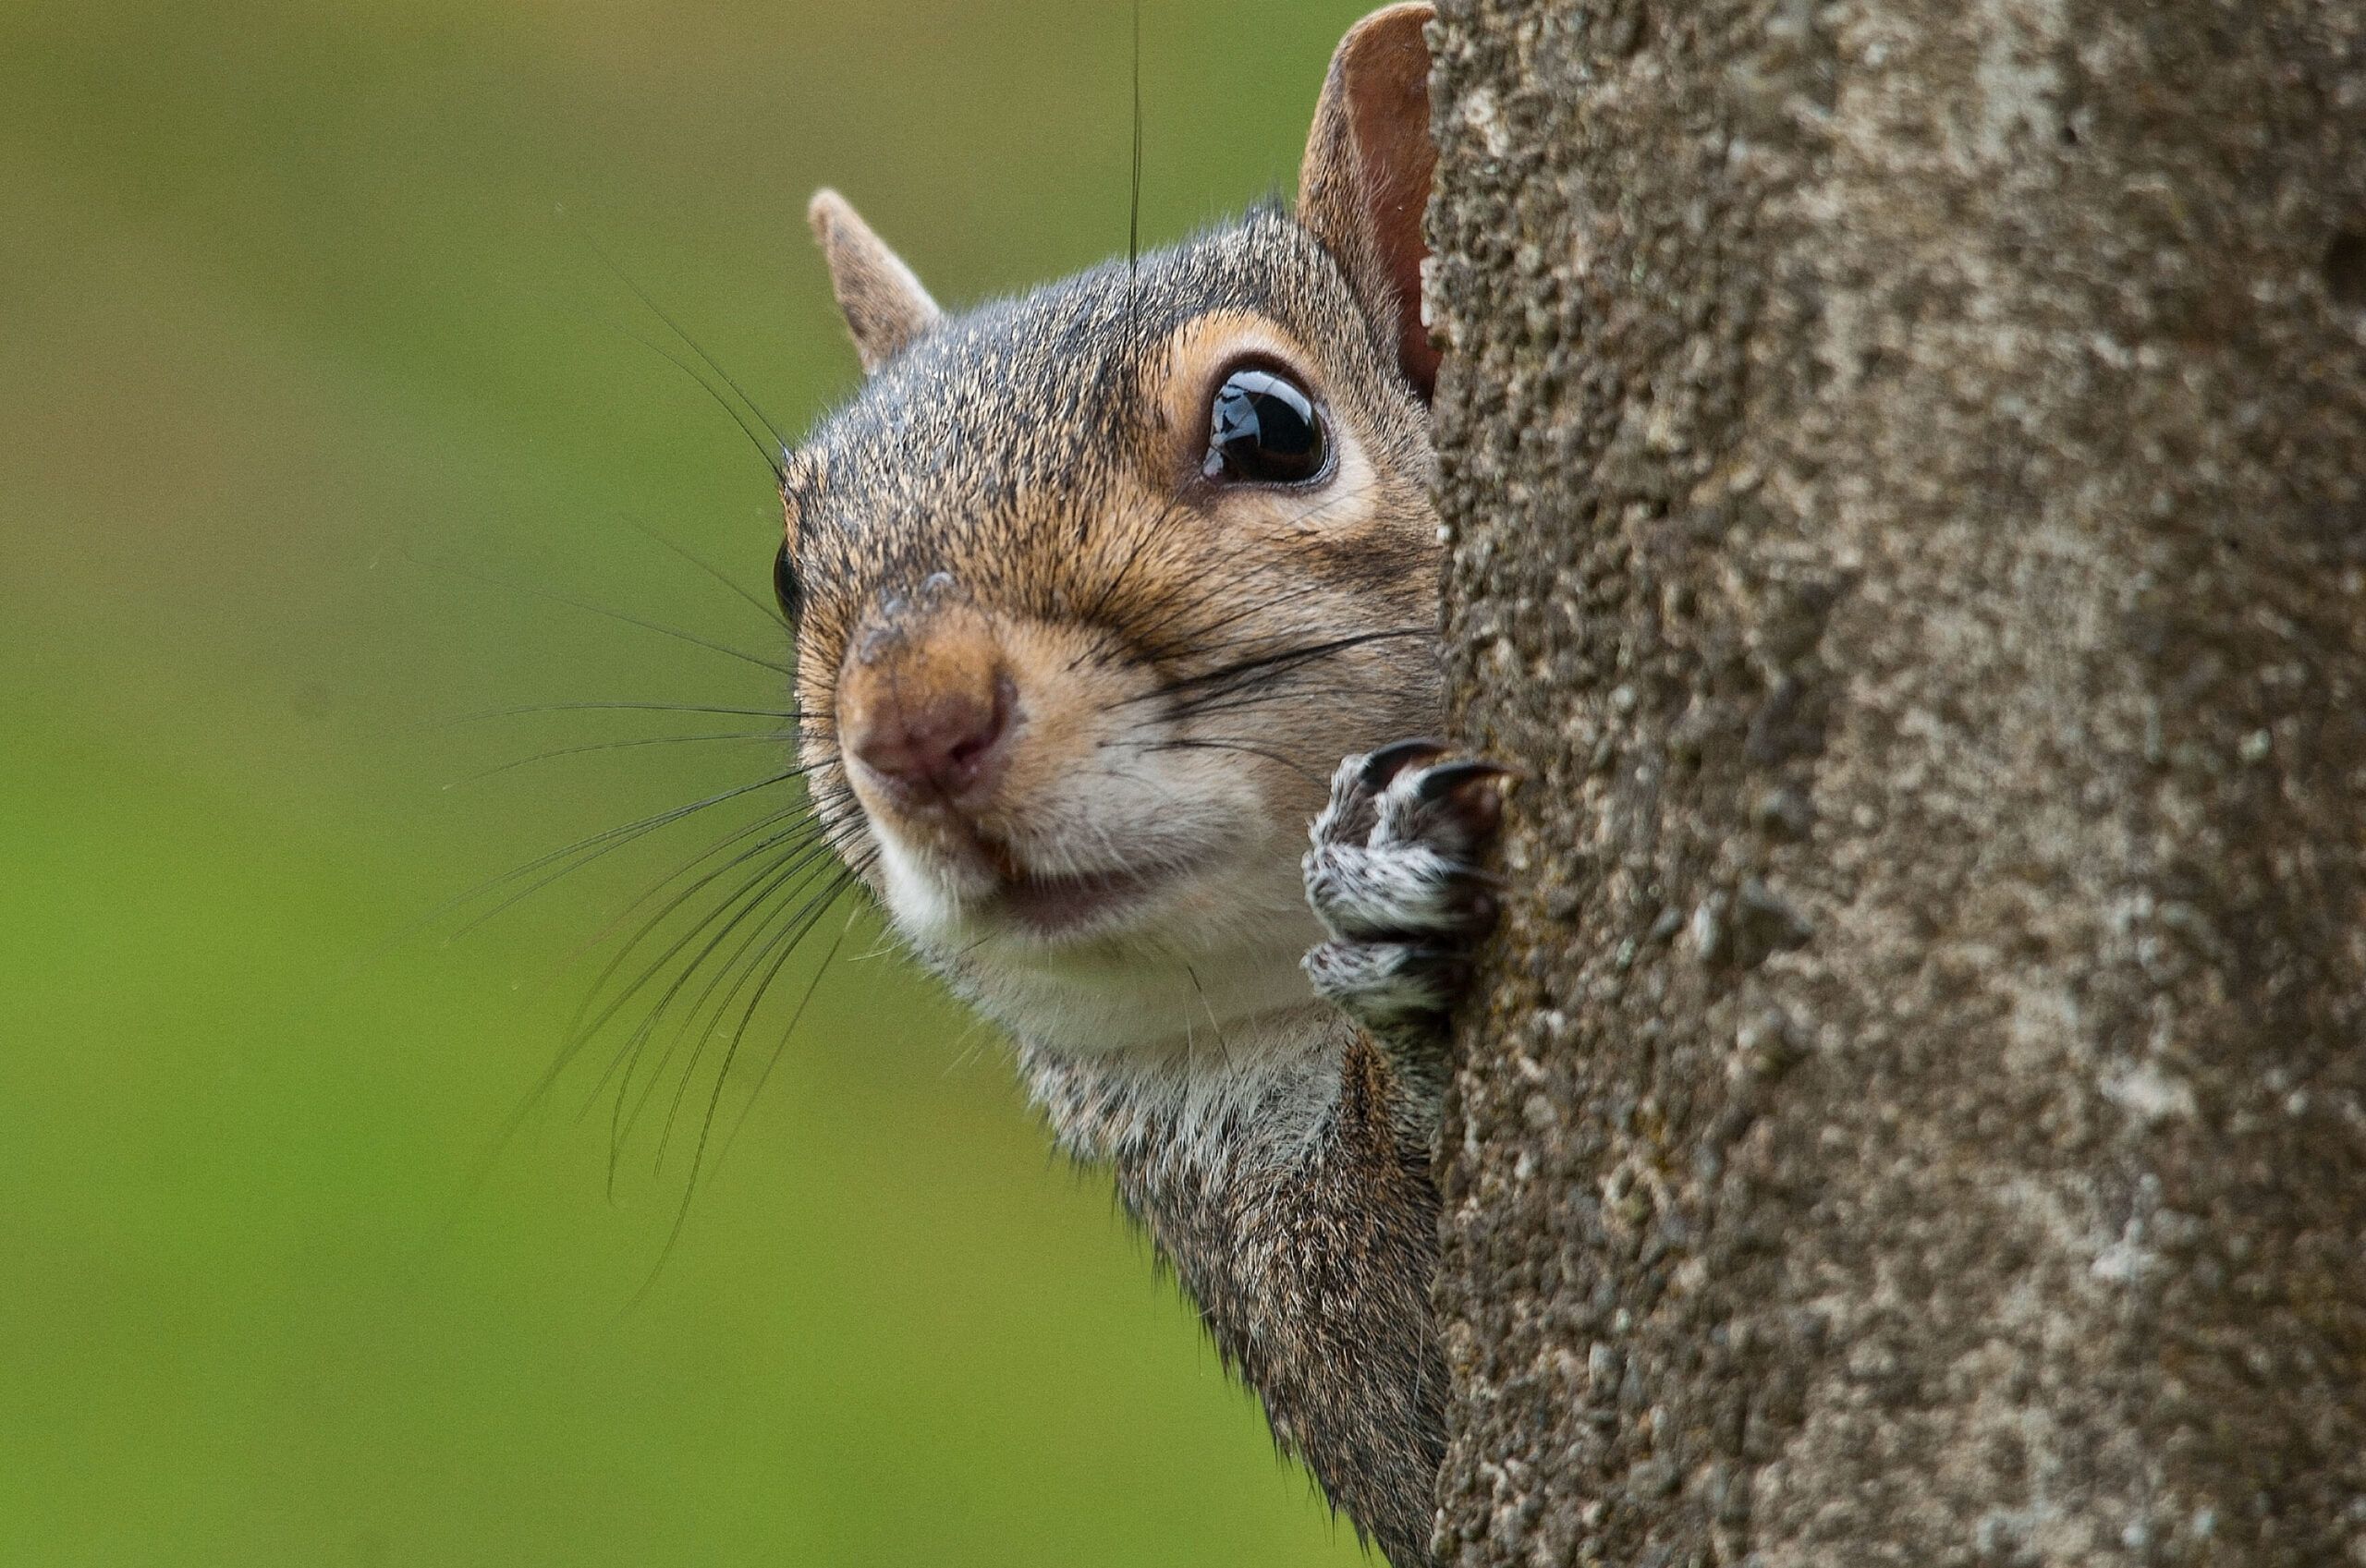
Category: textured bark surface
[1907,470]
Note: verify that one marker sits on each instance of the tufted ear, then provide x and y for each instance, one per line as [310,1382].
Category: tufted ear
[1366,177]
[885,305]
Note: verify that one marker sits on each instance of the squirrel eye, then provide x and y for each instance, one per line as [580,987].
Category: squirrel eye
[784,585]
[1263,430]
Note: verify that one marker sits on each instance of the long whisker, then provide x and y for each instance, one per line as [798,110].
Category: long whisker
[1134,194]
[845,880]
[805,835]
[1282,660]
[590,607]
[627,1107]
[793,935]
[1271,687]
[621,745]
[772,454]
[688,342]
[777,948]
[756,1089]
[807,815]
[806,847]
[578,1037]
[807,844]
[769,611]
[1223,1047]
[1203,744]
[585,850]
[786,715]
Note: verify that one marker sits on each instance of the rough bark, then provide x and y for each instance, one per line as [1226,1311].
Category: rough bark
[1904,463]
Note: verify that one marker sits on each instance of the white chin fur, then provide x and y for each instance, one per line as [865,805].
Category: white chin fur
[1165,1010]
[917,900]
[1221,948]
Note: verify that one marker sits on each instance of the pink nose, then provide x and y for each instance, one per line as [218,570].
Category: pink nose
[940,743]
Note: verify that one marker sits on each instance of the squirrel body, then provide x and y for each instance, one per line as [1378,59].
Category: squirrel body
[1094,588]
[1294,1202]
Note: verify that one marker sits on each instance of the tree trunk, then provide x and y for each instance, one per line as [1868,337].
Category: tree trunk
[1903,461]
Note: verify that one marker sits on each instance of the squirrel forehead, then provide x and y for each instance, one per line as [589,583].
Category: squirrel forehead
[1051,390]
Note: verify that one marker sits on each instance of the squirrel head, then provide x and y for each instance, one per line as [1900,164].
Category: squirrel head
[1095,587]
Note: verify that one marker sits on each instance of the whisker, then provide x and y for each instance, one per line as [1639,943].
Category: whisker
[807,814]
[1201,744]
[806,836]
[786,715]
[780,1047]
[769,611]
[590,607]
[589,848]
[772,456]
[625,1107]
[1206,644]
[1223,1047]
[806,844]
[1280,662]
[844,879]
[688,342]
[799,850]
[848,879]
[1134,194]
[1273,687]
[778,948]
[577,1036]
[621,746]
[621,1120]
[602,843]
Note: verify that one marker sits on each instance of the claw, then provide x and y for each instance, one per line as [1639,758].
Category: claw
[1446,777]
[1389,760]
[1393,878]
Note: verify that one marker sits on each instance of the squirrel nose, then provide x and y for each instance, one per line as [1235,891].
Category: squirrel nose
[943,744]
[926,705]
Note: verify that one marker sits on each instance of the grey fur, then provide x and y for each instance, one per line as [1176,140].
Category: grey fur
[1020,460]
[1309,1250]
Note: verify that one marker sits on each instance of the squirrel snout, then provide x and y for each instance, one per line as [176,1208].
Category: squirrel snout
[944,746]
[926,707]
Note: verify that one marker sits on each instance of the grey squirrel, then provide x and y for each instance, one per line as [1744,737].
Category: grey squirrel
[1094,588]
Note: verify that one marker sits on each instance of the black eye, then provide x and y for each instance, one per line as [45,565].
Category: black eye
[785,588]
[1263,430]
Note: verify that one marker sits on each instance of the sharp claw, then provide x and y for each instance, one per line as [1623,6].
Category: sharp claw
[1389,760]
[1446,777]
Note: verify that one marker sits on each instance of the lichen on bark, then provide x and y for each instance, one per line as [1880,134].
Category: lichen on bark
[1906,472]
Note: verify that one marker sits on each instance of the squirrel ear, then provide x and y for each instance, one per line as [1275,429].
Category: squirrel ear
[885,305]
[1366,177]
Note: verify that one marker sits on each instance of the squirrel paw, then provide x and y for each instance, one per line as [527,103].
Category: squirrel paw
[1393,879]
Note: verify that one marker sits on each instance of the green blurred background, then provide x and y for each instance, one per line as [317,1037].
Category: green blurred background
[301,309]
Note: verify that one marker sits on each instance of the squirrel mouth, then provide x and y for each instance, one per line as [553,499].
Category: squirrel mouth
[999,890]
[1064,905]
